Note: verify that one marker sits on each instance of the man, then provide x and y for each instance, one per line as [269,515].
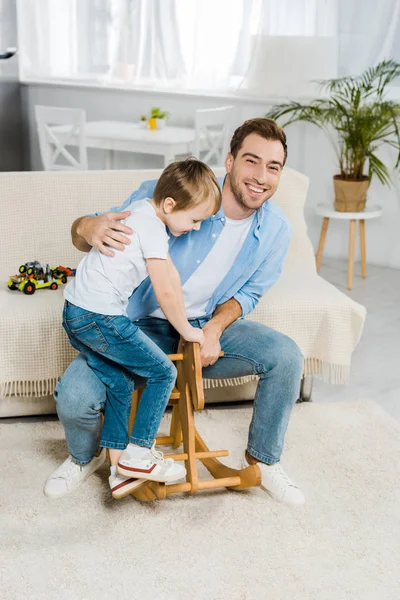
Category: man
[225,268]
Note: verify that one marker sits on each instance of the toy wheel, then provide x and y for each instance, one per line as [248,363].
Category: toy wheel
[54,286]
[22,269]
[64,278]
[29,289]
[29,271]
[12,286]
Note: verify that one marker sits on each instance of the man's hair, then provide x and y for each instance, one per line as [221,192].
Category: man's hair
[188,182]
[266,128]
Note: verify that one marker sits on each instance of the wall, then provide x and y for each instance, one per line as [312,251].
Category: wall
[309,152]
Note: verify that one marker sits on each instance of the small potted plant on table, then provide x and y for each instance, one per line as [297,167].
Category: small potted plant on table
[158,118]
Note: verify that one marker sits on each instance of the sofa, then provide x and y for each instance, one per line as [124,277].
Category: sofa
[36,213]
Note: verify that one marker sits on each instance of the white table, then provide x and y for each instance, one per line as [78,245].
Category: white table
[327,212]
[120,136]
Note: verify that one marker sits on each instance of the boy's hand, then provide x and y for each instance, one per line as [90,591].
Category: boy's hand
[194,335]
[105,232]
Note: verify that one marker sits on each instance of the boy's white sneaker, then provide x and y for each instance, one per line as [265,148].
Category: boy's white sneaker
[69,476]
[278,485]
[123,486]
[151,466]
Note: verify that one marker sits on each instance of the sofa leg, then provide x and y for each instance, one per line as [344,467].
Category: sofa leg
[306,387]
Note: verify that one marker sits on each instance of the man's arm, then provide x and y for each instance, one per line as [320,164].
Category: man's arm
[223,316]
[104,231]
[245,300]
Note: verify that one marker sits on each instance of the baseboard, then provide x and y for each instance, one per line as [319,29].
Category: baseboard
[21,406]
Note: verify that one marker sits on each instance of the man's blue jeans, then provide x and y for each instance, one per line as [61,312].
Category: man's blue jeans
[250,349]
[116,349]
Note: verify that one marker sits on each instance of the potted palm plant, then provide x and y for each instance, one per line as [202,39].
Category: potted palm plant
[358,120]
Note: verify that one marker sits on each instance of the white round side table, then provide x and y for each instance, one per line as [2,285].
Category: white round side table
[327,212]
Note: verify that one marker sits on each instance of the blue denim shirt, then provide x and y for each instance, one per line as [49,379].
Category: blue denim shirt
[256,268]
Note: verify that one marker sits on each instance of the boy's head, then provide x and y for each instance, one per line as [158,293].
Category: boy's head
[187,193]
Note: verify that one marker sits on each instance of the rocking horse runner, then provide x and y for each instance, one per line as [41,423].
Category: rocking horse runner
[187,397]
[225,268]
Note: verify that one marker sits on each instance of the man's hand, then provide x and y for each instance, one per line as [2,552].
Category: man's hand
[105,232]
[211,349]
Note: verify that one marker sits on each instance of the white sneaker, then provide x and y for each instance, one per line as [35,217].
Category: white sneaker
[151,466]
[69,476]
[123,486]
[278,485]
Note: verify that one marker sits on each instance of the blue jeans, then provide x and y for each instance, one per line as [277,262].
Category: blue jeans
[250,349]
[117,350]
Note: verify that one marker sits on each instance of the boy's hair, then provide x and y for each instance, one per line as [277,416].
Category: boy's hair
[188,182]
[266,128]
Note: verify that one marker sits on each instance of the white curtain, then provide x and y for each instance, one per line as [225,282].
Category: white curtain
[369,32]
[261,47]
[144,43]
[294,43]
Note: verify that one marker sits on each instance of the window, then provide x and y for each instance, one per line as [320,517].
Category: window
[262,46]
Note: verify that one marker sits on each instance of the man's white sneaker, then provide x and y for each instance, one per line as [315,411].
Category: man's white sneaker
[151,466]
[69,476]
[277,484]
[123,486]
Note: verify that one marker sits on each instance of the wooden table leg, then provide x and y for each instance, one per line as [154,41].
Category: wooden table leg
[353,223]
[363,252]
[321,244]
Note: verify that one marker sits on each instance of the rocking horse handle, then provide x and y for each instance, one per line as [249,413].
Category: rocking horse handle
[192,371]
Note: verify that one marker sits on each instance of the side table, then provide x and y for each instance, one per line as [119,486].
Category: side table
[327,212]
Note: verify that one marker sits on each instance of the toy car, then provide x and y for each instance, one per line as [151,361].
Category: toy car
[34,276]
[63,272]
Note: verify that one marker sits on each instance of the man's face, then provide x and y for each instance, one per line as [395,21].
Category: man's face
[255,172]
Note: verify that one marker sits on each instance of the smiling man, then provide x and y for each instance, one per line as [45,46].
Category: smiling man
[225,266]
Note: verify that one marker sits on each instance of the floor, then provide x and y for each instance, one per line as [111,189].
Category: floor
[375,371]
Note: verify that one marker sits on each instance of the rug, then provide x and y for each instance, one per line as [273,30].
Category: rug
[344,543]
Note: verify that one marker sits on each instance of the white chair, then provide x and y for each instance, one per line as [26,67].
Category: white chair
[213,132]
[56,127]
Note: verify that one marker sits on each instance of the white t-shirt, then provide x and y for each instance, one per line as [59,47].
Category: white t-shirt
[103,284]
[202,284]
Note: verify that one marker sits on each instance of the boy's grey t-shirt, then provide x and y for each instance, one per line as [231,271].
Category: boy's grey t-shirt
[104,284]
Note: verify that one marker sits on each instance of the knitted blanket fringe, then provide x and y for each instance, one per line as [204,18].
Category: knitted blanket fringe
[32,389]
[330,373]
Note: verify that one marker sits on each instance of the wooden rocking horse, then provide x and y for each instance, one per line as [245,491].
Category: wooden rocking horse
[187,397]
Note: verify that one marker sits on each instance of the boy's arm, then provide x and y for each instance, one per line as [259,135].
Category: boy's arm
[176,282]
[168,292]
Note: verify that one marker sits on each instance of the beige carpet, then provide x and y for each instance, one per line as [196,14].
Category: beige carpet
[343,544]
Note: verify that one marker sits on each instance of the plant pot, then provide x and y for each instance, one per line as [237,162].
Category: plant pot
[153,123]
[161,123]
[143,124]
[350,194]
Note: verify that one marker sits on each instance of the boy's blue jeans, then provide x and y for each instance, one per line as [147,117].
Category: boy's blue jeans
[116,350]
[250,349]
